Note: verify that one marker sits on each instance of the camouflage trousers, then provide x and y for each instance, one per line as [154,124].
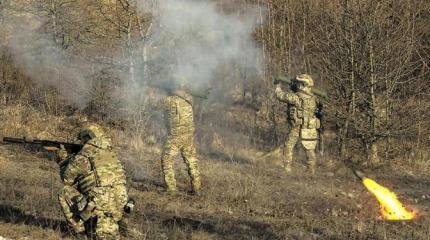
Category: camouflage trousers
[308,143]
[99,216]
[183,144]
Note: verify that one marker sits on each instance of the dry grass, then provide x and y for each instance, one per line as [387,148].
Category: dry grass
[245,196]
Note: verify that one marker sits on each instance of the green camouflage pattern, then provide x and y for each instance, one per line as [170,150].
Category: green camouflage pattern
[69,199]
[97,175]
[303,124]
[180,139]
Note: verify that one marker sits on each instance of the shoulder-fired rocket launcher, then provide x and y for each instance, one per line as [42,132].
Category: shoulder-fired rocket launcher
[290,81]
[199,92]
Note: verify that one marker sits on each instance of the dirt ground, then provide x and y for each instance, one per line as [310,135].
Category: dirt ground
[244,197]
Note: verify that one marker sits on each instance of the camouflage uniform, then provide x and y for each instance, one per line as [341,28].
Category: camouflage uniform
[303,122]
[94,186]
[180,139]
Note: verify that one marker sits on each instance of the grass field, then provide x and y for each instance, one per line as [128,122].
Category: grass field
[244,197]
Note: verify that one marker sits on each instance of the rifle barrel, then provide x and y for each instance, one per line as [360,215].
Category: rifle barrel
[13,140]
[70,147]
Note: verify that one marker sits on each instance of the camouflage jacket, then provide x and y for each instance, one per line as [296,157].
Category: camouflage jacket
[179,113]
[96,165]
[301,108]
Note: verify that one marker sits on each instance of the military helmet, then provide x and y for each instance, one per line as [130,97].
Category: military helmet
[306,79]
[89,132]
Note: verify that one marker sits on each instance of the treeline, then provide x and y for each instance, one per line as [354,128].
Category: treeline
[371,56]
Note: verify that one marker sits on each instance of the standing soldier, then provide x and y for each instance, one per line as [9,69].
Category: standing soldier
[302,106]
[94,194]
[180,139]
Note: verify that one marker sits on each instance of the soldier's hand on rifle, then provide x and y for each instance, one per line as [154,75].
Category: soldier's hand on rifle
[61,152]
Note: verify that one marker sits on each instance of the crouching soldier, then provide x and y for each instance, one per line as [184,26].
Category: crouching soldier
[94,195]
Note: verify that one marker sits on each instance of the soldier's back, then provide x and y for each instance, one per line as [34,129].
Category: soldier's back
[179,114]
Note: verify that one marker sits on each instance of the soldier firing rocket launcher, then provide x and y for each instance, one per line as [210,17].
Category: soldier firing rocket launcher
[293,85]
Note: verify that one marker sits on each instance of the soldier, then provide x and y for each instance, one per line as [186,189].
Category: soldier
[180,130]
[302,106]
[94,194]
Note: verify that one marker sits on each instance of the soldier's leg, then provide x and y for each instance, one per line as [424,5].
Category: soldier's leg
[310,154]
[107,227]
[291,141]
[188,152]
[122,213]
[68,198]
[169,153]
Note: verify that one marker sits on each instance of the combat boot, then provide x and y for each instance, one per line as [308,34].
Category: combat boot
[195,184]
[195,192]
[311,161]
[171,185]
[172,190]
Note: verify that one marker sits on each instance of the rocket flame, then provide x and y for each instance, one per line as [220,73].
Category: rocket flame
[391,207]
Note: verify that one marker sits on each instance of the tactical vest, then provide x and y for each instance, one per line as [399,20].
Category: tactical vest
[106,170]
[303,115]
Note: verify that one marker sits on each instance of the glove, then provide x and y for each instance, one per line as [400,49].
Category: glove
[61,152]
[128,208]
[319,112]
[275,81]
[62,155]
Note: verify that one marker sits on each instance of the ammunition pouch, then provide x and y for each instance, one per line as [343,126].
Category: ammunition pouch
[313,123]
[293,117]
[309,134]
[86,209]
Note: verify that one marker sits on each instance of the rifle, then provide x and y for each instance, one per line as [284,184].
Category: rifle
[291,81]
[47,144]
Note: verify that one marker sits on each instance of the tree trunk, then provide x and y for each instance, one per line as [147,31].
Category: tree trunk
[373,149]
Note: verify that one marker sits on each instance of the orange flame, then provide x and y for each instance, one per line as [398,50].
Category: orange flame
[391,207]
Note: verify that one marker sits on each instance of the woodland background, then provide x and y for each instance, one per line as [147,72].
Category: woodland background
[372,57]
[65,62]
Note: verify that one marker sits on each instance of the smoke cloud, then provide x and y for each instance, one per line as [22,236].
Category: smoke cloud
[190,41]
[194,38]
[42,59]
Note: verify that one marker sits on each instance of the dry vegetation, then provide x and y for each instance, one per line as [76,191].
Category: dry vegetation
[373,58]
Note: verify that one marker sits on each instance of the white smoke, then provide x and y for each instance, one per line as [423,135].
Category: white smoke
[41,59]
[190,41]
[194,38]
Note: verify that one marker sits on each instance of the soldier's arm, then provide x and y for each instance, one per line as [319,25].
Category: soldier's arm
[78,166]
[287,97]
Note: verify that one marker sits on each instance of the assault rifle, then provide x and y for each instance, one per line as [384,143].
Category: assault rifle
[47,144]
